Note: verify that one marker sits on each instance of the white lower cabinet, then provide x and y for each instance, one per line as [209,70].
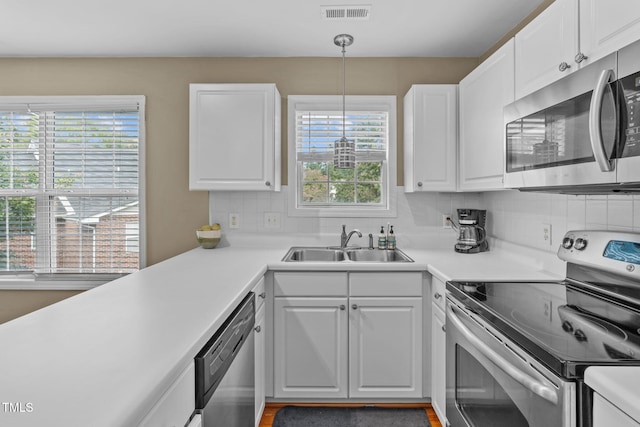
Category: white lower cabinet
[606,414]
[260,363]
[334,341]
[438,348]
[177,404]
[385,347]
[196,421]
[310,347]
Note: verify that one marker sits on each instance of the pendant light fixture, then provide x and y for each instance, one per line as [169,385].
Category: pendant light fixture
[344,150]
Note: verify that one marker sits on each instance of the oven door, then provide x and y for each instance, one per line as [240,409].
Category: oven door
[492,383]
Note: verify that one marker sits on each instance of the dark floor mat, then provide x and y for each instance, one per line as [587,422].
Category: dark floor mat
[307,416]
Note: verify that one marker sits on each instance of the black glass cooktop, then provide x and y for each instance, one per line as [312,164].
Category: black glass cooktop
[566,326]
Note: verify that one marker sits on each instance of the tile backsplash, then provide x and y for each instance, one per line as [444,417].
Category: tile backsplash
[512,216]
[520,217]
[416,213]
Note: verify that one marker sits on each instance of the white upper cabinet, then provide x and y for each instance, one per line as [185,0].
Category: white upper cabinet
[234,137]
[608,25]
[430,138]
[570,34]
[483,96]
[545,49]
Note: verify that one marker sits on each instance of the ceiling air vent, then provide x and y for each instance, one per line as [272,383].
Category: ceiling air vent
[351,13]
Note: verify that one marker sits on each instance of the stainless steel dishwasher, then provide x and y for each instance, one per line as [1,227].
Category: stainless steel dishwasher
[225,379]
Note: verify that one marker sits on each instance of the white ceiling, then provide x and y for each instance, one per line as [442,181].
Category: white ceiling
[276,28]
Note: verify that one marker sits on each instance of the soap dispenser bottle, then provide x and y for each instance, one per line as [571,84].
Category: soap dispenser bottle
[391,241]
[382,239]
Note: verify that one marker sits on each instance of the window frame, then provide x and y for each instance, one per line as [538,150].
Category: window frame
[389,166]
[82,281]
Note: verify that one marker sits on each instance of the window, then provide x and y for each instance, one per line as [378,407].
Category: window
[316,188]
[70,186]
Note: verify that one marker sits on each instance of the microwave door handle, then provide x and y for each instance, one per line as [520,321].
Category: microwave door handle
[595,129]
[535,386]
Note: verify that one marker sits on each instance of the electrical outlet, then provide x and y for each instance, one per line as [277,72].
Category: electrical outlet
[547,308]
[272,220]
[234,220]
[445,222]
[545,234]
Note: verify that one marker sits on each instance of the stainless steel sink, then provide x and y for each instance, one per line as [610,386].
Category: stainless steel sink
[314,254]
[329,254]
[375,255]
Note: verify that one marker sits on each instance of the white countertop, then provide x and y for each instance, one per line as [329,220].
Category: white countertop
[617,384]
[108,354]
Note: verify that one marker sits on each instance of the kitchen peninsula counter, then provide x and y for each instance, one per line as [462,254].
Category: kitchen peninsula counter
[105,357]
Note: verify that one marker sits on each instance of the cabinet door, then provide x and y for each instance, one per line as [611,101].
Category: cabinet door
[605,414]
[438,349]
[234,137]
[430,138]
[385,347]
[548,41]
[483,96]
[310,347]
[607,25]
[177,404]
[260,364]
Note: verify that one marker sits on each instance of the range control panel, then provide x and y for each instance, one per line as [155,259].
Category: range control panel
[616,252]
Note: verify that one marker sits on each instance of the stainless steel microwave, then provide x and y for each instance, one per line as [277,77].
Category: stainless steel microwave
[580,134]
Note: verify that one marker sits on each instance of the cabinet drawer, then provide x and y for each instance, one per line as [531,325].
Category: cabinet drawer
[260,294]
[176,405]
[606,414]
[380,284]
[438,292]
[310,284]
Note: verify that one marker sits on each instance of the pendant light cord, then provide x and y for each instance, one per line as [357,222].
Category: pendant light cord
[344,90]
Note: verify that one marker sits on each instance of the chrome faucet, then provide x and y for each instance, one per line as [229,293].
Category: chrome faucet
[344,237]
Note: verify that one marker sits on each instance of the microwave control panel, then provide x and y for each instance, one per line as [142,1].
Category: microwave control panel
[631,103]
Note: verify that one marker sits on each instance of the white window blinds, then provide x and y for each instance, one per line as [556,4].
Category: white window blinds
[317,131]
[69,186]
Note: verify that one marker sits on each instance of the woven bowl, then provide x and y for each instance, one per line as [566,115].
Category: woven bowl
[209,239]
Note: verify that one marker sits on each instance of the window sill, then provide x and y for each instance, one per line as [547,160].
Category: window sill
[61,284]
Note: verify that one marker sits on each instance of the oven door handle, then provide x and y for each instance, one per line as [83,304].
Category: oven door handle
[517,374]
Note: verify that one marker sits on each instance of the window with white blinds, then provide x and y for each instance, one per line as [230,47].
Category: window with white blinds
[317,188]
[70,185]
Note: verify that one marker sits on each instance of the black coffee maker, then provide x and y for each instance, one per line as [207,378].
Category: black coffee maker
[472,235]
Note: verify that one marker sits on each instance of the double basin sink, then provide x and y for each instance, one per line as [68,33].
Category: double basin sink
[349,254]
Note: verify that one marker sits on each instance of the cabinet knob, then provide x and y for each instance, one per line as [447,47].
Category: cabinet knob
[263,295]
[342,307]
[354,306]
[437,295]
[267,183]
[444,328]
[419,183]
[563,66]
[258,329]
[580,57]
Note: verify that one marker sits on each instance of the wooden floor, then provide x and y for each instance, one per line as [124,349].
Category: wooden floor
[271,409]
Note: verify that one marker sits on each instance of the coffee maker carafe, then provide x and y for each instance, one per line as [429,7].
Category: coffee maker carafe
[472,236]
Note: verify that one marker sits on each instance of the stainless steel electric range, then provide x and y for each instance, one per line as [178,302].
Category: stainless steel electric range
[517,351]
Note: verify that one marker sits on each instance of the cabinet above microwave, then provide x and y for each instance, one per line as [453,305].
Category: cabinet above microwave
[581,134]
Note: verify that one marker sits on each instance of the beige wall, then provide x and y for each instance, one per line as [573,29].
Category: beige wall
[16,303]
[173,212]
